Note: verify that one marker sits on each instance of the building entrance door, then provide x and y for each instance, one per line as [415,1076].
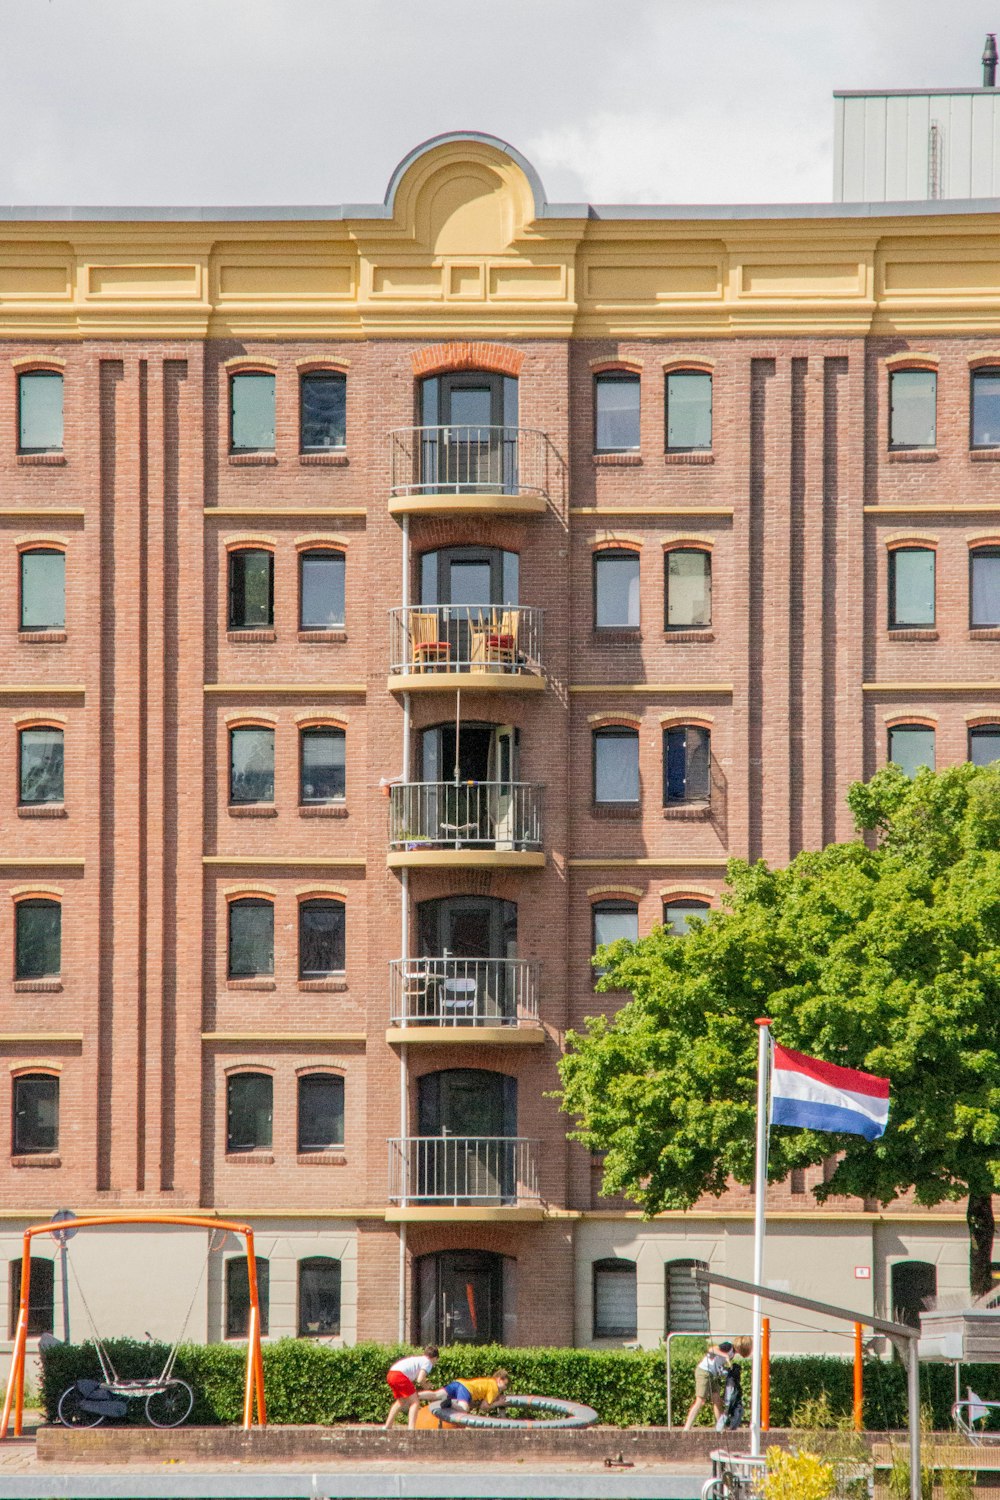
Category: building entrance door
[460,1297]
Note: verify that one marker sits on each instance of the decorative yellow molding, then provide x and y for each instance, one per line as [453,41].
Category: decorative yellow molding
[449,1036]
[432,1214]
[692,862]
[279,512]
[250,689]
[932,510]
[675,689]
[44,512]
[41,689]
[931,687]
[303,1038]
[469,682]
[684,512]
[38,862]
[608,890]
[465,859]
[50,1038]
[267,861]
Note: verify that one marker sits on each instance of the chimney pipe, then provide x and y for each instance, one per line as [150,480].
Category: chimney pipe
[990,61]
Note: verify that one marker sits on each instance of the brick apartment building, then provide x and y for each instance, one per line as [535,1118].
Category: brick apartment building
[398,600]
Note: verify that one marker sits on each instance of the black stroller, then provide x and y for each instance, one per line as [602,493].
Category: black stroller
[732,1401]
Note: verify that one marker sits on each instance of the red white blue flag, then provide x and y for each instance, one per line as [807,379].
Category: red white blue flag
[817,1095]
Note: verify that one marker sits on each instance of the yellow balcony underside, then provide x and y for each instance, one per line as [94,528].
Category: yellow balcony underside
[524,1213]
[448,1036]
[467,505]
[457,859]
[469,682]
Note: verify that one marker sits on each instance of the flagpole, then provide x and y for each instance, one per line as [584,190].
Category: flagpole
[760,1194]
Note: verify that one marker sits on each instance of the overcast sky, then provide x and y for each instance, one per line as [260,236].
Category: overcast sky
[315,101]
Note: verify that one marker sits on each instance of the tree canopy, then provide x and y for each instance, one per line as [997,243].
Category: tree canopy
[881,954]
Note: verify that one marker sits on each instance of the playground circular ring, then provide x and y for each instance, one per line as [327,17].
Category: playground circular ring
[567,1414]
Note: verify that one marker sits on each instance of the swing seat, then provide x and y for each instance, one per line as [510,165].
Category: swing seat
[95,1397]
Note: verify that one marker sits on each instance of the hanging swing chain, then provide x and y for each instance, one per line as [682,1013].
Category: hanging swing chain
[108,1371]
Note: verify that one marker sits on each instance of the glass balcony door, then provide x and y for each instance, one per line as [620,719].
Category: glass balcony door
[474,936]
[474,1114]
[469,440]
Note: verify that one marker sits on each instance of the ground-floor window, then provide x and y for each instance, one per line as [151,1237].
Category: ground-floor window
[912,1283]
[40,1297]
[238,1296]
[687,1299]
[615,1299]
[319,1296]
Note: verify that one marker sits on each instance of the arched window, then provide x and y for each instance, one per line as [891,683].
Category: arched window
[616,589]
[319,1296]
[687,761]
[912,408]
[911,587]
[615,1299]
[40,411]
[251,764]
[323,410]
[321,1111]
[43,588]
[41,1298]
[40,765]
[984,587]
[911,747]
[38,939]
[984,744]
[36,1114]
[251,588]
[616,411]
[322,764]
[238,1296]
[687,1305]
[914,1282]
[687,585]
[321,938]
[689,411]
[680,913]
[251,938]
[251,408]
[611,920]
[249,1111]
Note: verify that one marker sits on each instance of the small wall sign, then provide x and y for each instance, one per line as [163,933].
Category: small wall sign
[862,1273]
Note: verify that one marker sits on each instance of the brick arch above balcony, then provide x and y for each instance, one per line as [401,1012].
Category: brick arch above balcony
[442,359]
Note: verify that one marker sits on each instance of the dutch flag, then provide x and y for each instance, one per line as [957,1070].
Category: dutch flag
[816,1095]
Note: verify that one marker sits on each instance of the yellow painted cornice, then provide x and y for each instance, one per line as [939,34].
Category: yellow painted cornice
[466,246]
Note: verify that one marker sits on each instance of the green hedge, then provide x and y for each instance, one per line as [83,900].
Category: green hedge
[311,1383]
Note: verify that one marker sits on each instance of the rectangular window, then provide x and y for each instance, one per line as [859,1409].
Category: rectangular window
[984,588]
[911,747]
[251,589]
[238,1295]
[43,590]
[688,588]
[324,408]
[41,1302]
[616,413]
[41,766]
[38,939]
[912,409]
[615,1299]
[321,1112]
[613,920]
[251,765]
[911,587]
[252,413]
[319,1296]
[686,765]
[616,765]
[984,744]
[689,411]
[249,1099]
[616,590]
[321,939]
[251,939]
[678,915]
[321,591]
[985,409]
[36,1114]
[324,761]
[40,411]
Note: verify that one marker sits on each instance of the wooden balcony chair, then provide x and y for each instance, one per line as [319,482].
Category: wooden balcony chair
[501,640]
[429,652]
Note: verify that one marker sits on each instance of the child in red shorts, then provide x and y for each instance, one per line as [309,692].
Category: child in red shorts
[404,1379]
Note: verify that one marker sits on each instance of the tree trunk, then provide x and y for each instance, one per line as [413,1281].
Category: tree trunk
[979,1216]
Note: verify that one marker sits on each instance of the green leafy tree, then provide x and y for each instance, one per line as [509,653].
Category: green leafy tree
[881,954]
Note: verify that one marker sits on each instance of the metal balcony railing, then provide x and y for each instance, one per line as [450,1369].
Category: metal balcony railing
[463,992]
[497,638]
[463,1170]
[468,461]
[502,815]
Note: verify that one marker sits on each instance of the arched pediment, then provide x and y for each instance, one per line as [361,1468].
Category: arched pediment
[465,195]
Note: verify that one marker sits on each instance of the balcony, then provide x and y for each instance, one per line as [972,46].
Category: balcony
[465,823]
[484,647]
[458,470]
[463,1177]
[447,1000]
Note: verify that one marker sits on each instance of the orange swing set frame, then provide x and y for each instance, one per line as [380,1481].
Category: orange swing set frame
[254,1394]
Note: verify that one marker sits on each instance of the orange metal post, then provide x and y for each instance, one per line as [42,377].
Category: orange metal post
[251,1370]
[15,1381]
[765,1374]
[258,1357]
[859,1379]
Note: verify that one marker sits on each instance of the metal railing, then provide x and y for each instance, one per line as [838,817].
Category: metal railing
[463,992]
[462,460]
[461,1170]
[499,638]
[501,815]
